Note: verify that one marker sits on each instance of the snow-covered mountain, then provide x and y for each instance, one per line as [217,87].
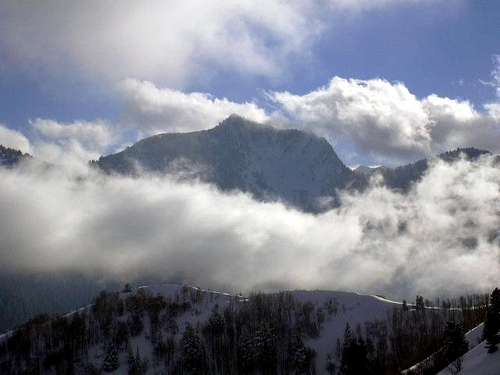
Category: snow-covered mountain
[296,167]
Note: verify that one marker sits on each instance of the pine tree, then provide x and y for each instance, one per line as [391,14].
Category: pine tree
[111,362]
[354,354]
[136,365]
[491,330]
[131,360]
[193,356]
[492,322]
[420,304]
[455,346]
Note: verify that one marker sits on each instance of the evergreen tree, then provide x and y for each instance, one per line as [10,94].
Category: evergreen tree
[136,365]
[491,326]
[492,322]
[420,304]
[193,356]
[111,362]
[130,360]
[354,355]
[127,288]
[455,346]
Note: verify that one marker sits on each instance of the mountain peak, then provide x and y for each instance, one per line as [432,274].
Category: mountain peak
[235,120]
[233,117]
[289,165]
[9,156]
[470,153]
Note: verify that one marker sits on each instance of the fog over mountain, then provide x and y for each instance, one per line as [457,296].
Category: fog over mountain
[403,177]
[311,187]
[438,237]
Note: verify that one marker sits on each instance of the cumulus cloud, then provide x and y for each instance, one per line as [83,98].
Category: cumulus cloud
[92,134]
[385,120]
[14,139]
[151,109]
[73,143]
[440,238]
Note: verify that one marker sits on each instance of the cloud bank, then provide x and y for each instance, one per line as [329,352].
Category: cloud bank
[386,121]
[440,238]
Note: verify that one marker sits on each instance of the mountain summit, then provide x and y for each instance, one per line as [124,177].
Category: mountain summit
[10,157]
[292,166]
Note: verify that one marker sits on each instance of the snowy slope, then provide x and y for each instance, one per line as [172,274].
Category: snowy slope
[339,309]
[477,361]
[350,308]
[353,308]
[473,338]
[199,314]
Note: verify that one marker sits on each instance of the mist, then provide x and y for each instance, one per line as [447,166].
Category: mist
[441,238]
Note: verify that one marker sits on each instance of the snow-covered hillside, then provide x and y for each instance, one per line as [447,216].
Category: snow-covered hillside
[478,361]
[355,309]
[473,338]
[181,329]
[322,315]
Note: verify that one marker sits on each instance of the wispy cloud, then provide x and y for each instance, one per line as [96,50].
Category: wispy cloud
[170,41]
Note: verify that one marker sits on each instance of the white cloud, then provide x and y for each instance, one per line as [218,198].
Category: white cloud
[14,139]
[366,5]
[163,40]
[167,41]
[92,134]
[75,142]
[152,110]
[440,238]
[383,120]
[388,122]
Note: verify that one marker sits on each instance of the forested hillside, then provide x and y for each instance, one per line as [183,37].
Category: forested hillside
[185,330]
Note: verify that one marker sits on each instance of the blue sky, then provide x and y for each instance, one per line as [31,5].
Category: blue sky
[56,66]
